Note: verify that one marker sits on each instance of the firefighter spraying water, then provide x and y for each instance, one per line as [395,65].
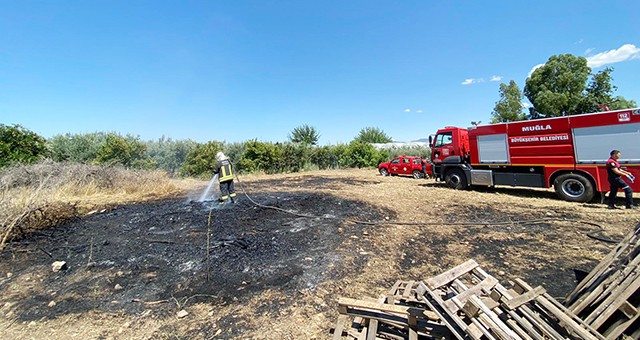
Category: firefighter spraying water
[224,171]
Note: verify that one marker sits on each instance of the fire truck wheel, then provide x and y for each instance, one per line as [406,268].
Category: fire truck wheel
[574,188]
[417,174]
[384,172]
[456,179]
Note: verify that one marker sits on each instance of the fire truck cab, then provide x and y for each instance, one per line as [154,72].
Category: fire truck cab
[568,153]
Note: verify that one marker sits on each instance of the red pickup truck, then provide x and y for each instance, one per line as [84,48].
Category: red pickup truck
[406,165]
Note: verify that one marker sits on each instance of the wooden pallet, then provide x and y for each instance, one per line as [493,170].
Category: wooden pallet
[397,315]
[608,299]
[474,305]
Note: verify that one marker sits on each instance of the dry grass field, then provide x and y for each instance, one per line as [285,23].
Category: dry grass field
[414,229]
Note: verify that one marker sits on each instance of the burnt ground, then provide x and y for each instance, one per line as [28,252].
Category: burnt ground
[121,260]
[275,274]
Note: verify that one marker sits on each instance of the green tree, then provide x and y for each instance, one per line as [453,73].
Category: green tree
[80,148]
[235,151]
[201,161]
[260,156]
[361,155]
[169,154]
[19,145]
[620,103]
[556,89]
[600,93]
[295,156]
[509,107]
[372,135]
[325,157]
[128,151]
[304,134]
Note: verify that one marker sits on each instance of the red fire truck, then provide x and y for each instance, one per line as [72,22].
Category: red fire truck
[569,153]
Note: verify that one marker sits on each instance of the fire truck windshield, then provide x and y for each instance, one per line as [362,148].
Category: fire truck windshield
[443,139]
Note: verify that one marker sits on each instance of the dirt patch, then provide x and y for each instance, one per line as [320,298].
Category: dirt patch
[277,275]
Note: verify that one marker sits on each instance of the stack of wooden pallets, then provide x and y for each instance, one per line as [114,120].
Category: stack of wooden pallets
[466,302]
[608,299]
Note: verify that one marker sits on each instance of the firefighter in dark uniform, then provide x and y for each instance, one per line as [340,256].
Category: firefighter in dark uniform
[615,181]
[224,170]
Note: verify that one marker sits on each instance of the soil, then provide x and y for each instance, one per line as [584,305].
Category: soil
[273,265]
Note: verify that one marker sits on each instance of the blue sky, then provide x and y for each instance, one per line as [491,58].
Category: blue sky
[238,70]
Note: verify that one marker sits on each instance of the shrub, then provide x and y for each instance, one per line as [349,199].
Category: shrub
[260,156]
[19,145]
[359,154]
[201,161]
[128,151]
[82,148]
[324,157]
[168,154]
[294,156]
[235,151]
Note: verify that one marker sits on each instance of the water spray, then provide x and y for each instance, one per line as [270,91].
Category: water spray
[203,197]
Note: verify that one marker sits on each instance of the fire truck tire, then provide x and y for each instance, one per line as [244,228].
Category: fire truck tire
[384,172]
[456,179]
[574,188]
[417,174]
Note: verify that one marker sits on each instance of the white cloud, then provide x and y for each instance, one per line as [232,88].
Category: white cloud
[579,42]
[496,78]
[589,50]
[470,81]
[525,105]
[533,69]
[624,53]
[408,110]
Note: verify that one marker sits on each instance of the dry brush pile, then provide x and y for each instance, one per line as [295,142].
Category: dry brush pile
[41,195]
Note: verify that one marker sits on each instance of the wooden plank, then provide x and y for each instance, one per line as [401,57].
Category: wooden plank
[394,288]
[478,328]
[455,325]
[528,318]
[524,298]
[384,307]
[616,330]
[592,280]
[390,299]
[516,327]
[407,289]
[413,335]
[606,285]
[355,334]
[373,330]
[565,316]
[451,274]
[363,333]
[628,309]
[487,284]
[624,291]
[499,328]
[337,332]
